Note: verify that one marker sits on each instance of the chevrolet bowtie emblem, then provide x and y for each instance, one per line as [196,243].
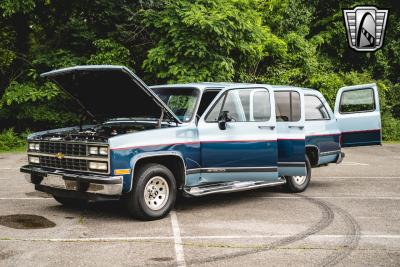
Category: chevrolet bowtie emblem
[60,155]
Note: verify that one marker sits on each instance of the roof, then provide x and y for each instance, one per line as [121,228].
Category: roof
[222,85]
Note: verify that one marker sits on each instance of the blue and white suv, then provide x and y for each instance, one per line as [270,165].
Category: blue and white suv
[149,143]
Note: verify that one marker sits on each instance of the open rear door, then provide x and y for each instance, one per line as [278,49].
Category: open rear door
[358,115]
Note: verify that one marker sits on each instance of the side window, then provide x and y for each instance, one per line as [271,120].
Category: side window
[287,106]
[261,106]
[237,104]
[213,115]
[361,100]
[315,109]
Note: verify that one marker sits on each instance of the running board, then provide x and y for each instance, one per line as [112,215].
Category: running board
[229,187]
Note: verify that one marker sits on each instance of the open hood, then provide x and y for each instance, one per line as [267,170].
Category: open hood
[110,92]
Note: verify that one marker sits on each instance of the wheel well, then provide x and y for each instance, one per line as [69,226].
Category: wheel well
[173,163]
[312,154]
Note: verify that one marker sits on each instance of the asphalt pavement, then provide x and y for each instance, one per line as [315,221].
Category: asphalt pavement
[349,216]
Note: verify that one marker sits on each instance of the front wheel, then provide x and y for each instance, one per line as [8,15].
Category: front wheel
[296,184]
[153,193]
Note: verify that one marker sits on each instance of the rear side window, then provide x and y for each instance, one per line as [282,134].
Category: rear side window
[315,109]
[361,100]
[287,105]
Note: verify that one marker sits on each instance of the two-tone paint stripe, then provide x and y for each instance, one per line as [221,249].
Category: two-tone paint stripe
[193,143]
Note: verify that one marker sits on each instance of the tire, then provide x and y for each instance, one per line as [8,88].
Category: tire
[71,202]
[153,193]
[296,184]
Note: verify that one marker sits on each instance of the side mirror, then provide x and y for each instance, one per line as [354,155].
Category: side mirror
[223,119]
[222,124]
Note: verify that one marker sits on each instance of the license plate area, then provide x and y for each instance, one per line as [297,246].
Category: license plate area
[54,180]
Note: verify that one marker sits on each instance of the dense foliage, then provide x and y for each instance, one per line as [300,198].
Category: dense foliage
[292,42]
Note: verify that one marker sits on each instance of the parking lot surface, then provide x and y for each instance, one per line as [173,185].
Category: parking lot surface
[349,216]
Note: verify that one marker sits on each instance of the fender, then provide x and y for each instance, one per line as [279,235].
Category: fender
[140,156]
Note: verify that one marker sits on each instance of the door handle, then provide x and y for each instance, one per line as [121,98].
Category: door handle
[266,127]
[296,126]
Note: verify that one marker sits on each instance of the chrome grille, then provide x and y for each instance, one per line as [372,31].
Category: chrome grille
[68,149]
[72,156]
[66,163]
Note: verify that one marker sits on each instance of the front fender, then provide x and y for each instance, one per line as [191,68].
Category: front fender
[154,154]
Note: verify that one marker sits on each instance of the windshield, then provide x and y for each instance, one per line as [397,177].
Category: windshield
[182,101]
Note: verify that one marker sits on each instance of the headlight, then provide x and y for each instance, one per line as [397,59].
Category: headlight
[34,146]
[103,151]
[93,150]
[102,166]
[34,160]
[98,150]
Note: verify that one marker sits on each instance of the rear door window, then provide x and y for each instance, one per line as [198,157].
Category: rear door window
[287,106]
[359,100]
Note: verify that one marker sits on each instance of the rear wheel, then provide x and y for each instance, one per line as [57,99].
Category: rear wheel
[298,184]
[70,202]
[153,193]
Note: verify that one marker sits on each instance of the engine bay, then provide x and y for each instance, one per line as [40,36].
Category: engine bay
[98,133]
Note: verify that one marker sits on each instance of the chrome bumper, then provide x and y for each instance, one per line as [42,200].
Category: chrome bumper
[340,157]
[46,180]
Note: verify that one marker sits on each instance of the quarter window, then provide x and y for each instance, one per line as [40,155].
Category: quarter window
[315,109]
[287,106]
[361,100]
[242,105]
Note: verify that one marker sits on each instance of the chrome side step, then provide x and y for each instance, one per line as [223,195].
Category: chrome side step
[229,187]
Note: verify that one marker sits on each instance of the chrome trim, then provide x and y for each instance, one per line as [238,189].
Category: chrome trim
[72,157]
[104,185]
[340,157]
[67,157]
[232,169]
[140,156]
[229,187]
[327,153]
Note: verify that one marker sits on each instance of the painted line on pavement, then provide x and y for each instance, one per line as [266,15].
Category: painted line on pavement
[349,163]
[335,197]
[180,256]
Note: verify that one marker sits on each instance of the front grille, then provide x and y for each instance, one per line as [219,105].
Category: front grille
[72,156]
[68,149]
[66,163]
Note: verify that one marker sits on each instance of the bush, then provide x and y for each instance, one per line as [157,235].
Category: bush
[390,127]
[11,141]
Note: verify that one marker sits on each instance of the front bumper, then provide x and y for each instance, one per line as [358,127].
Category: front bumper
[74,185]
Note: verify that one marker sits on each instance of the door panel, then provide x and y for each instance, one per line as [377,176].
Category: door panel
[357,112]
[246,150]
[291,133]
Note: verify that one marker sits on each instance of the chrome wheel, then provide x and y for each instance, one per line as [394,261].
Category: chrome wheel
[156,193]
[299,180]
